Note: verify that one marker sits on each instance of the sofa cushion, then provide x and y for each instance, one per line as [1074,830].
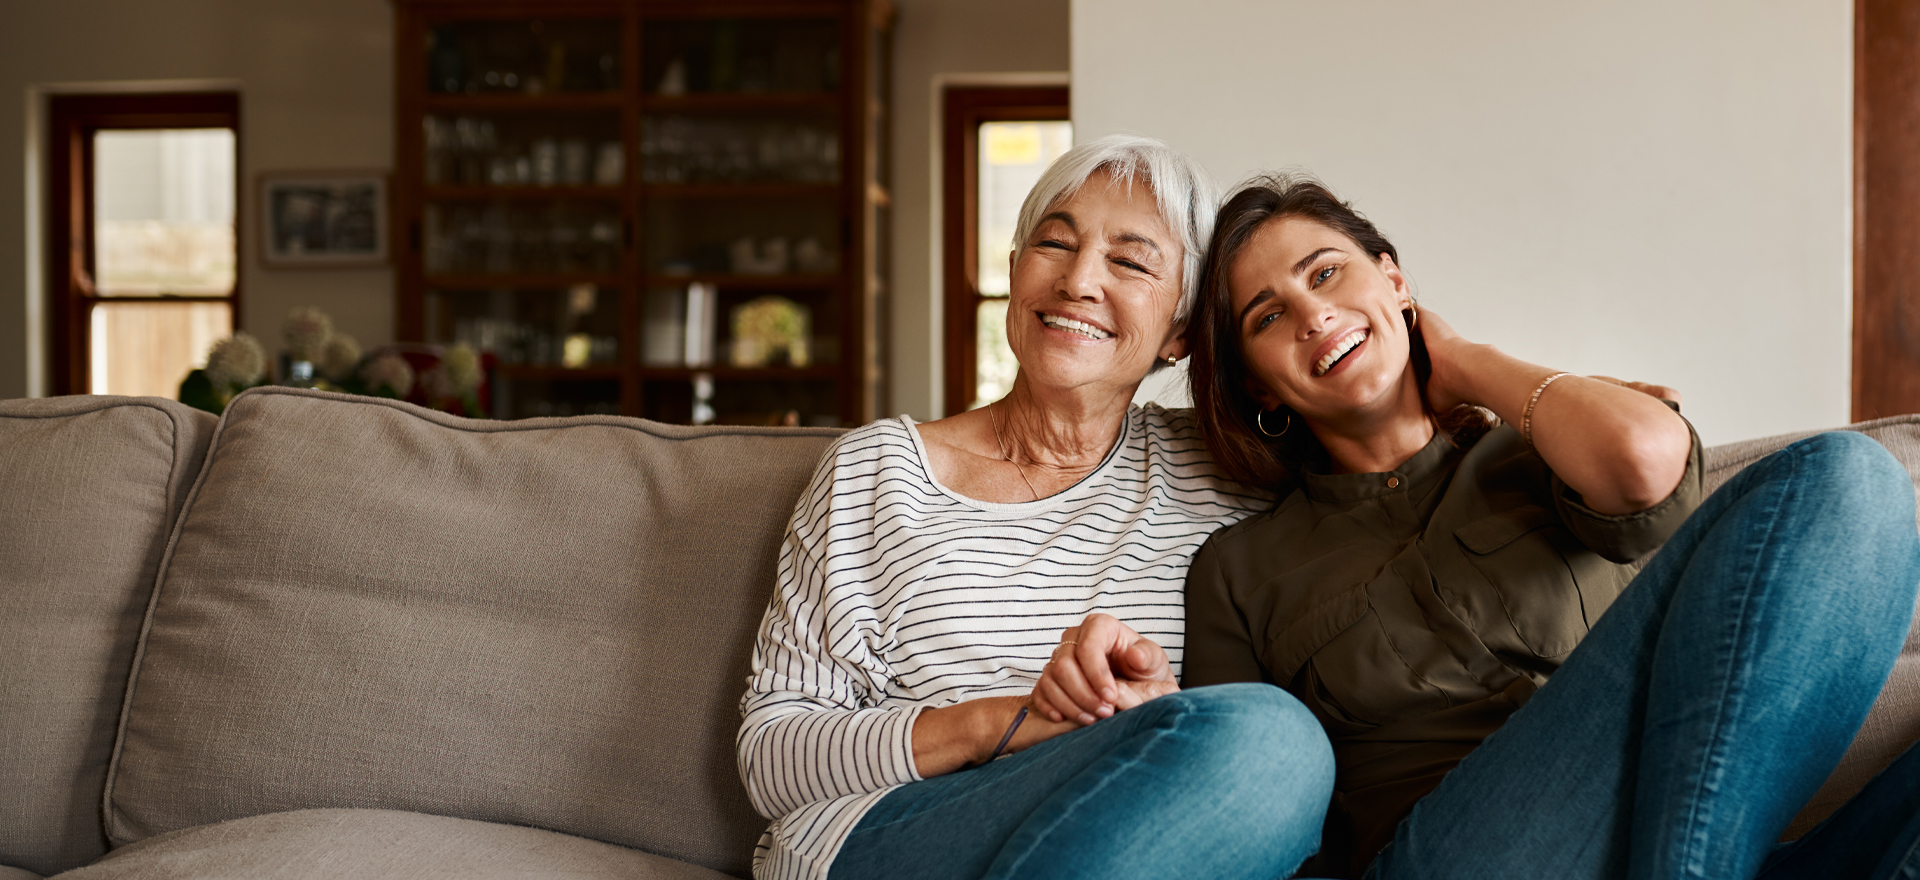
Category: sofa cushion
[544,622]
[378,845]
[89,487]
[1894,722]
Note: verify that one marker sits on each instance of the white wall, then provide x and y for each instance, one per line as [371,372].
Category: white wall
[939,42]
[1651,189]
[316,92]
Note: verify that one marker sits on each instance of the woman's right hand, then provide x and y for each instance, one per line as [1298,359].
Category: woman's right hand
[1101,667]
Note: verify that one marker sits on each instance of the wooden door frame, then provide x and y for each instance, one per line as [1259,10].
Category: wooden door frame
[1886,208]
[963,108]
[72,121]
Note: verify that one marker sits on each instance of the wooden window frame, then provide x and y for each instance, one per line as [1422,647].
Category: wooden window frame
[963,109]
[72,122]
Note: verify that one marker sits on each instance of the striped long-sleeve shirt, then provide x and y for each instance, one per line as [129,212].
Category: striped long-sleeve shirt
[896,594]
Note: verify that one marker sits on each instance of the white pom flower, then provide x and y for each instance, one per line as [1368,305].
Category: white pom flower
[389,371]
[305,332]
[237,361]
[339,357]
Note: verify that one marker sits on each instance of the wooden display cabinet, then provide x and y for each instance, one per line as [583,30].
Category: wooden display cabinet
[579,182]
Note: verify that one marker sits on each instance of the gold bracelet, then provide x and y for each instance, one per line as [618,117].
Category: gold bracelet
[1526,415]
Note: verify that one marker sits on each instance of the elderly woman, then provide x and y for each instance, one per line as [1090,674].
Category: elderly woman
[930,568]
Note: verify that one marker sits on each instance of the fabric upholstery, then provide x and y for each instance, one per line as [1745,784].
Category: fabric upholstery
[1894,722]
[7,873]
[544,622]
[89,487]
[377,845]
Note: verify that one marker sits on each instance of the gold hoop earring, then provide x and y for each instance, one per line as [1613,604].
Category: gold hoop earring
[1413,308]
[1258,422]
[1171,360]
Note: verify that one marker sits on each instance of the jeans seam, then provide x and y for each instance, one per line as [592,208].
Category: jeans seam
[1734,688]
[1060,816]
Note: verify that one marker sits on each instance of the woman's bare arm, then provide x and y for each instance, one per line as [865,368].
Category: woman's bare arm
[1618,446]
[962,735]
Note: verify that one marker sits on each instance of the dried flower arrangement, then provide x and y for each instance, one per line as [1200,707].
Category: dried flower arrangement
[318,357]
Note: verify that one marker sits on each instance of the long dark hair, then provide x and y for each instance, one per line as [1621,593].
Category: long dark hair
[1221,382]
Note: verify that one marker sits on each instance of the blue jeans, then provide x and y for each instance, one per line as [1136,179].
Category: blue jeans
[1225,782]
[1710,702]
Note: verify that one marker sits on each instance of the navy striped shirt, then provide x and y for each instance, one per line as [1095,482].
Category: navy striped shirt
[896,594]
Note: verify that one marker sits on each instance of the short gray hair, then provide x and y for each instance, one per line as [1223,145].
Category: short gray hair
[1187,196]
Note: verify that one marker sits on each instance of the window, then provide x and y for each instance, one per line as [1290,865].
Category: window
[997,143]
[145,253]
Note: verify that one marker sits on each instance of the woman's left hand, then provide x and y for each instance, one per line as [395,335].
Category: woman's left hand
[1102,666]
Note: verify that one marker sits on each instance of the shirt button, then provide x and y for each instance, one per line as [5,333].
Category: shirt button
[1393,482]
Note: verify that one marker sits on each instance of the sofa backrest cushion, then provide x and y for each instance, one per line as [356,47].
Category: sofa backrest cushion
[89,487]
[1894,722]
[543,622]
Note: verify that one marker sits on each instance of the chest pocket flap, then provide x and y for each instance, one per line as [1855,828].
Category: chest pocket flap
[1490,533]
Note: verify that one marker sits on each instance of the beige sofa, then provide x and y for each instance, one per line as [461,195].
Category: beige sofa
[332,636]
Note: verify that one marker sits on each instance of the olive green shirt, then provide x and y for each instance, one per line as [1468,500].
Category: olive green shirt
[1414,610]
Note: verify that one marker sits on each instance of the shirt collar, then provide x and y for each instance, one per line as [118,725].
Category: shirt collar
[1429,462]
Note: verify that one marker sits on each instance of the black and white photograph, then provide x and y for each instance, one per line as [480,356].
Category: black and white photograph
[324,219]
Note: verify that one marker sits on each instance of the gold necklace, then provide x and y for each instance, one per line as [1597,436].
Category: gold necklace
[994,420]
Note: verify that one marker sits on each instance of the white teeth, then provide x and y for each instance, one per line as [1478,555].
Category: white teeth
[1339,351]
[1087,330]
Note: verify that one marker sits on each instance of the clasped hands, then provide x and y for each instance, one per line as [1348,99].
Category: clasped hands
[1101,667]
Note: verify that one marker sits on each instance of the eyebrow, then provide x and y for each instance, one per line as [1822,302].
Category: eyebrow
[1258,298]
[1061,216]
[1308,259]
[1137,238]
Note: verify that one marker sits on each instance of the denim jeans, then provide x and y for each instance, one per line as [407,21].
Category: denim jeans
[1710,702]
[1221,782]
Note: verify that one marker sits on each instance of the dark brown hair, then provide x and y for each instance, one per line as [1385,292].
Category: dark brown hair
[1221,383]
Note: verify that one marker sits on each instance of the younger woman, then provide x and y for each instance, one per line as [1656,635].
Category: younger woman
[1423,577]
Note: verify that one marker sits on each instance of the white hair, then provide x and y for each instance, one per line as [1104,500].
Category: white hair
[1187,196]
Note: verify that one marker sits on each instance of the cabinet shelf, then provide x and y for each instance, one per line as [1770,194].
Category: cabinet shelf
[740,190]
[728,373]
[552,372]
[726,281]
[510,281]
[729,101]
[515,102]
[472,193]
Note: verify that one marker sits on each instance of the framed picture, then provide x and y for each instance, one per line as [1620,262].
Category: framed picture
[323,219]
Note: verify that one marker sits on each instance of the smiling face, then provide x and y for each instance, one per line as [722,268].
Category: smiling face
[1094,290]
[1319,324]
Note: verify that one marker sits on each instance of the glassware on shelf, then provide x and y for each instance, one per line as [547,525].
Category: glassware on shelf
[557,151]
[526,56]
[610,165]
[700,149]
[522,239]
[747,56]
[724,233]
[574,328]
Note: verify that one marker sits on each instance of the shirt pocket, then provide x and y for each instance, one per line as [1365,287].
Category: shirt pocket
[1523,555]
